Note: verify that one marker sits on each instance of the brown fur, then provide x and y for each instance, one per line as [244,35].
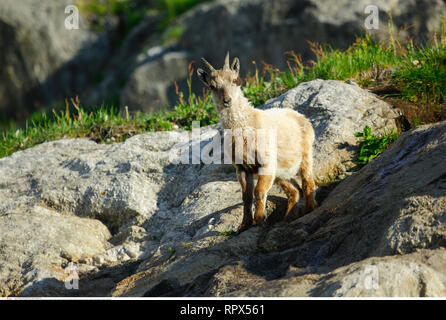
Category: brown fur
[291,192]
[292,155]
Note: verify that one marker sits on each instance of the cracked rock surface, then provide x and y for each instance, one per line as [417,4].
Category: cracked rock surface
[133,223]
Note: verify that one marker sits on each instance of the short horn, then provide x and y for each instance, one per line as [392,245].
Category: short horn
[226,65]
[210,67]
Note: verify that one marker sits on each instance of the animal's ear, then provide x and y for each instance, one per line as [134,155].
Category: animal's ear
[204,77]
[235,66]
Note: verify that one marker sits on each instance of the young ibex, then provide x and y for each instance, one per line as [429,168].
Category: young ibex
[292,148]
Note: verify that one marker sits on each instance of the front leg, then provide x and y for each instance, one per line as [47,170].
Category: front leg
[247,182]
[263,185]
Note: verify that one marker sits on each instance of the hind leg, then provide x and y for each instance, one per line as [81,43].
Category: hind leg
[291,192]
[308,185]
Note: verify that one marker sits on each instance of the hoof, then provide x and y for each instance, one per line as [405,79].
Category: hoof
[243,227]
[260,222]
[310,207]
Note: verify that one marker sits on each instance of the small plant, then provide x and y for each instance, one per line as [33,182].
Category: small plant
[413,76]
[187,244]
[194,108]
[171,9]
[416,122]
[106,124]
[130,11]
[330,179]
[172,252]
[227,232]
[272,82]
[172,34]
[372,146]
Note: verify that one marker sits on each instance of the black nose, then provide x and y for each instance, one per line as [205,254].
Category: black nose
[226,100]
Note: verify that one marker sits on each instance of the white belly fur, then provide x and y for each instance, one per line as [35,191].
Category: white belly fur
[286,173]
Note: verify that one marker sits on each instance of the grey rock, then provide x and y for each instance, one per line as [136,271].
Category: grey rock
[43,60]
[128,195]
[263,30]
[45,63]
[413,275]
[253,30]
[378,233]
[134,223]
[151,87]
[37,243]
[132,52]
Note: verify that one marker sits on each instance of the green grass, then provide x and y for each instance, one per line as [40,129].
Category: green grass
[195,108]
[173,8]
[171,35]
[227,233]
[172,252]
[422,75]
[418,73]
[131,12]
[371,145]
[106,124]
[97,125]
[364,55]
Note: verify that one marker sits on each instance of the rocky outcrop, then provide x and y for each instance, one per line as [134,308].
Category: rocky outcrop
[379,233]
[262,30]
[132,222]
[109,203]
[151,86]
[41,60]
[337,110]
[45,62]
[419,274]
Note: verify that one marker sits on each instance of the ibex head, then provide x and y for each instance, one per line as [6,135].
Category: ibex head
[222,82]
